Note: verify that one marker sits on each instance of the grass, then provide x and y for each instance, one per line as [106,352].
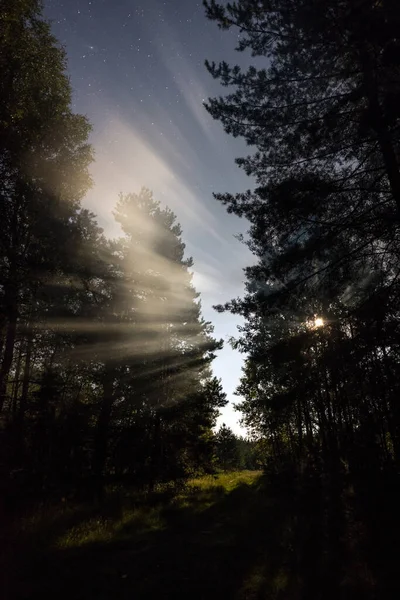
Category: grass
[229,536]
[187,545]
[121,517]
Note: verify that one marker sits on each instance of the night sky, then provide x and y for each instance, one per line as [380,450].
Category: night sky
[137,71]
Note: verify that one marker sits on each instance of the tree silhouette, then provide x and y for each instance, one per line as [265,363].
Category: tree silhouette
[105,359]
[44,170]
[323,225]
[227,448]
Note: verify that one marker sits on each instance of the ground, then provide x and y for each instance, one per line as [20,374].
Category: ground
[225,536]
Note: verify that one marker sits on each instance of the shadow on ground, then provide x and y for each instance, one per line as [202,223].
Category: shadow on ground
[245,544]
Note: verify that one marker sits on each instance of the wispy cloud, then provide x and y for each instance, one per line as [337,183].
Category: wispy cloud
[125,162]
[194,94]
[185,75]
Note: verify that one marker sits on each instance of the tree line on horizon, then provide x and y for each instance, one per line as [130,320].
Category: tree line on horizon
[234,452]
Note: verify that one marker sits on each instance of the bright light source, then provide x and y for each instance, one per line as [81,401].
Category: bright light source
[318,322]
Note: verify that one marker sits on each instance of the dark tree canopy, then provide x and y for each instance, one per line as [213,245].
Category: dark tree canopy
[44,159]
[321,313]
[321,115]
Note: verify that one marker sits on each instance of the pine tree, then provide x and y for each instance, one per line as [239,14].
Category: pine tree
[155,349]
[321,116]
[227,448]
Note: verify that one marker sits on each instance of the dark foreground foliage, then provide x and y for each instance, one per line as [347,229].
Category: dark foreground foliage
[240,536]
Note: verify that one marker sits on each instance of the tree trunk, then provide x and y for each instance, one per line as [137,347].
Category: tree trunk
[10,312]
[102,432]
[7,356]
[380,127]
[389,159]
[25,380]
[16,383]
[155,455]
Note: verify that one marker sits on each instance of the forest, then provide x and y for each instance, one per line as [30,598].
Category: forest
[115,480]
